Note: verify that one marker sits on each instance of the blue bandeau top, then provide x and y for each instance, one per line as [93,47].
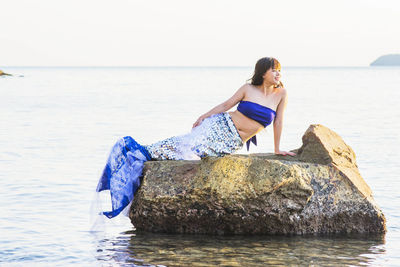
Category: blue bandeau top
[261,114]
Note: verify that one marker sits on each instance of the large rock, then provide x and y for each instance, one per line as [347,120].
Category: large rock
[318,191]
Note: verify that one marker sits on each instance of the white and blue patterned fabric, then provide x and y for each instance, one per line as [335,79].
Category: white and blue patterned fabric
[122,173]
[215,136]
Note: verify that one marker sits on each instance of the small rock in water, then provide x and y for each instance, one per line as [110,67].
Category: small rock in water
[4,74]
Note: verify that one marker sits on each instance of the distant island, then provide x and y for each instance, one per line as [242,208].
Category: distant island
[387,60]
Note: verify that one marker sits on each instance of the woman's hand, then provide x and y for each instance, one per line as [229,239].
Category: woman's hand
[199,121]
[285,153]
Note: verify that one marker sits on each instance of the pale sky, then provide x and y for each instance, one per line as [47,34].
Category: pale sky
[197,33]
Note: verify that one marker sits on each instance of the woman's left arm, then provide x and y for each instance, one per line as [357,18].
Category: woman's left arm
[278,125]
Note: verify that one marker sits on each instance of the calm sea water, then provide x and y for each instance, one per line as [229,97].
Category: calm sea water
[57,126]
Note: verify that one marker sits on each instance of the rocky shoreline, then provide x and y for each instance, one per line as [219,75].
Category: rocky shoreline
[319,191]
[4,74]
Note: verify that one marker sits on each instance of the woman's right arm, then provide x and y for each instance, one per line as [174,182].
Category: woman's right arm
[228,104]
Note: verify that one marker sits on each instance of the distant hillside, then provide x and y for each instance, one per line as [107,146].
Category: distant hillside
[387,60]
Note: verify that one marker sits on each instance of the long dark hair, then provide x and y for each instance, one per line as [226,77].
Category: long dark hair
[262,66]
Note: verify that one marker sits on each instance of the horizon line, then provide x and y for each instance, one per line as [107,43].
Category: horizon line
[171,66]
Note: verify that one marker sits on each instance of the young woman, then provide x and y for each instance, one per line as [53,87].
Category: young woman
[216,133]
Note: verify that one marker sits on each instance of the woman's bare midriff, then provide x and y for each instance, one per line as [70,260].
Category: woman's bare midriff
[245,126]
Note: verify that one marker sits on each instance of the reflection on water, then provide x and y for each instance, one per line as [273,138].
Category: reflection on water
[145,249]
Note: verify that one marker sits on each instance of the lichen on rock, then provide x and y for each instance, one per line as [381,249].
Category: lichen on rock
[318,191]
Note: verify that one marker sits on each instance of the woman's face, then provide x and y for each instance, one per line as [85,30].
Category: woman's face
[272,76]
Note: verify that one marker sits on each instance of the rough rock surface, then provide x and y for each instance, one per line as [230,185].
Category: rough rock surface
[318,191]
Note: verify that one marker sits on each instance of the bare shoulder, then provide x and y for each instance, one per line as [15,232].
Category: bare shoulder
[283,92]
[246,87]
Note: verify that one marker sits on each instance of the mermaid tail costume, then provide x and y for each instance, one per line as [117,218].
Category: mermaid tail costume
[215,136]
